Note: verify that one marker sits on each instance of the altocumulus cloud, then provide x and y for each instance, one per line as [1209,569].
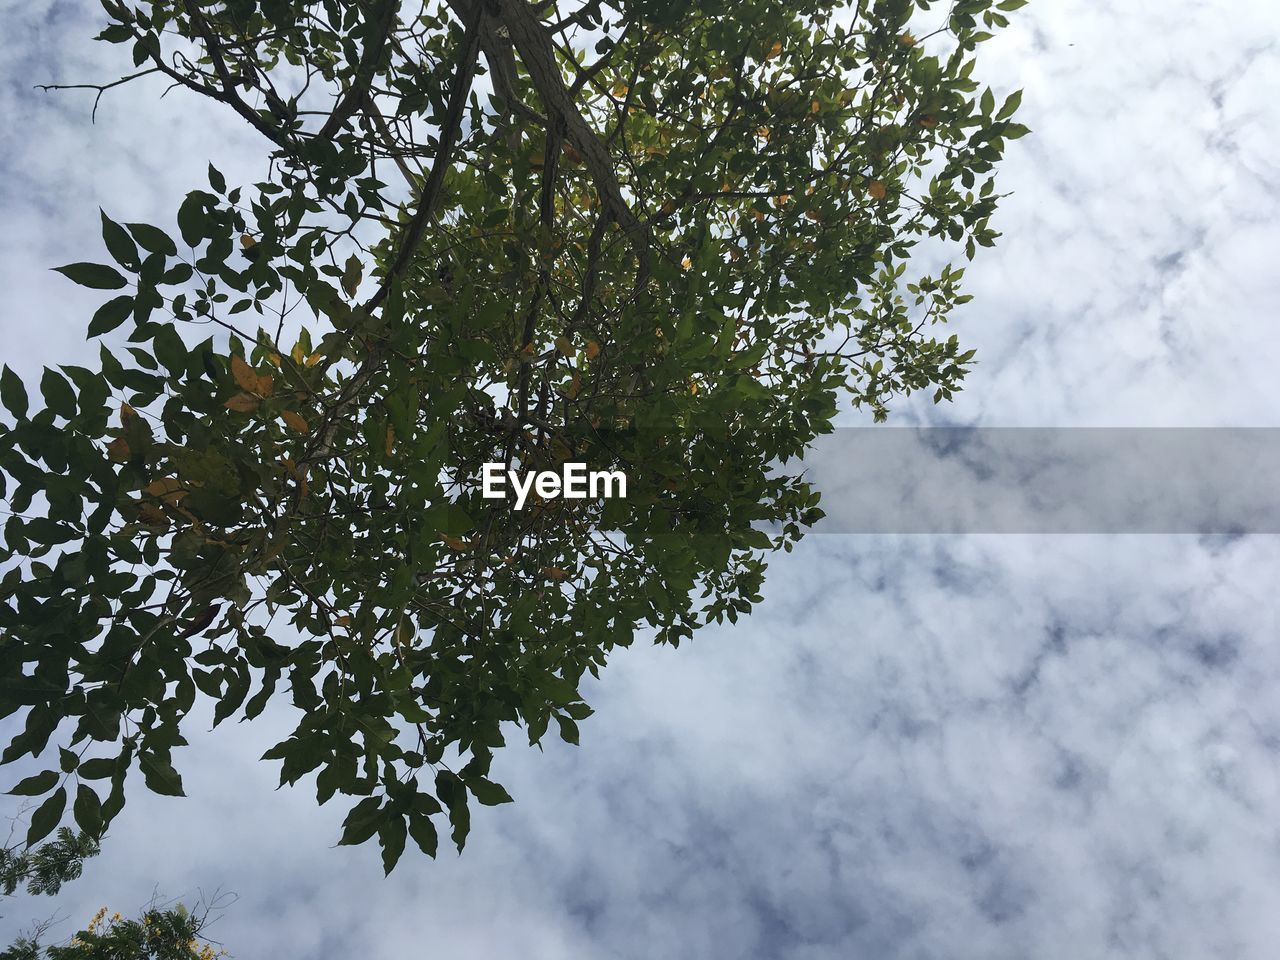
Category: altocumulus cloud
[918,747]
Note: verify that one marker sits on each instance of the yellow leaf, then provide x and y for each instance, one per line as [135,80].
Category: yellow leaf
[593,350]
[273,359]
[297,352]
[295,421]
[774,50]
[907,40]
[313,360]
[342,621]
[620,90]
[390,442]
[758,214]
[877,190]
[242,403]
[243,374]
[555,573]
[815,107]
[686,263]
[265,385]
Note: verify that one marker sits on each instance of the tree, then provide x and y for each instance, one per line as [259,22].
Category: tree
[162,933]
[663,237]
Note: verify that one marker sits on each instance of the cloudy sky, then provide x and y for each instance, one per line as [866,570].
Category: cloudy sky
[926,747]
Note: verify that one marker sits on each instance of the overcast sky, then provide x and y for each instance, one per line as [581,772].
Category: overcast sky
[937,748]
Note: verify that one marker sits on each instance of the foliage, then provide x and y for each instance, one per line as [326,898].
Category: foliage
[160,934]
[664,237]
[47,867]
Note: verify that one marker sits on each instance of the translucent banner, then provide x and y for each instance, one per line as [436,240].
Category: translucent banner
[1047,480]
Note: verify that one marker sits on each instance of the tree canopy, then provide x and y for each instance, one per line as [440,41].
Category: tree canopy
[669,238]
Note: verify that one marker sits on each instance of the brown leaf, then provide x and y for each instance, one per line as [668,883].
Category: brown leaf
[774,50]
[243,374]
[593,350]
[555,573]
[153,516]
[242,403]
[455,543]
[118,450]
[169,489]
[127,413]
[564,346]
[295,421]
[877,190]
[390,442]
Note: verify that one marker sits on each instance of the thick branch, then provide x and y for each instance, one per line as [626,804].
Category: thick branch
[355,94]
[534,44]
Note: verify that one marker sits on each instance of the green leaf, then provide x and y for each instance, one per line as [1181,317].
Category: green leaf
[170,350]
[119,244]
[362,822]
[12,393]
[36,784]
[391,836]
[58,395]
[423,832]
[487,792]
[110,315]
[87,810]
[1010,106]
[99,768]
[160,776]
[568,729]
[217,180]
[193,218]
[97,276]
[153,239]
[47,816]
[453,794]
